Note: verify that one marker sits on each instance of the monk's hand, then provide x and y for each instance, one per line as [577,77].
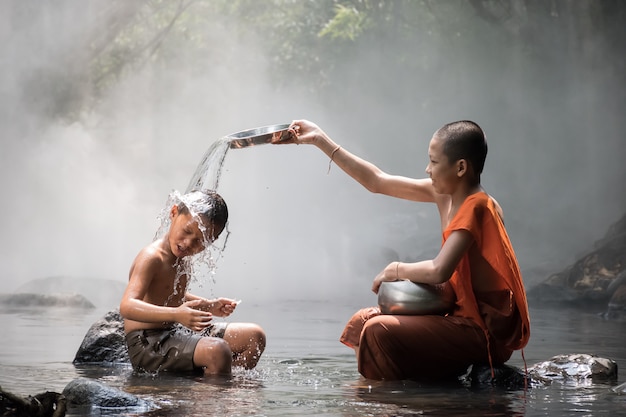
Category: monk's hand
[390,273]
[192,315]
[302,131]
[223,307]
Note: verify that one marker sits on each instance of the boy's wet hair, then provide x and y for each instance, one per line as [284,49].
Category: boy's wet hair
[464,140]
[207,204]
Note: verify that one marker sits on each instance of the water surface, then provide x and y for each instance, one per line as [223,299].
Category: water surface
[305,371]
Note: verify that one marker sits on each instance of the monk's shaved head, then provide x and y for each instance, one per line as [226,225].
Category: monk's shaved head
[464,140]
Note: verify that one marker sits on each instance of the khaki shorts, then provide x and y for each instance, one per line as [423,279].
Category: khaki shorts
[155,350]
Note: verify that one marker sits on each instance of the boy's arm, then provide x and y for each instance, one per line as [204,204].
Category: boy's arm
[221,307]
[434,271]
[133,307]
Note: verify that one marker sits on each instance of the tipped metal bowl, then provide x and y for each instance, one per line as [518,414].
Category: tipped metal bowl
[410,298]
[259,136]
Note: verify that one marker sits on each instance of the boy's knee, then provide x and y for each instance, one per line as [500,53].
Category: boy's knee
[214,355]
[257,336]
[220,350]
[247,335]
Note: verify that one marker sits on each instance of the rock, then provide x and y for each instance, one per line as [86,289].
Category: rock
[594,278]
[618,299]
[45,300]
[105,293]
[580,368]
[47,404]
[87,392]
[105,342]
[505,376]
[617,304]
[619,281]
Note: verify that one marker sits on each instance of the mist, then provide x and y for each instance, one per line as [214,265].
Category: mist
[83,195]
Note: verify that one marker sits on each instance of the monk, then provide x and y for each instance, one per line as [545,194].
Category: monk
[490,317]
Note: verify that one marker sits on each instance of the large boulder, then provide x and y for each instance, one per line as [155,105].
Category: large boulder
[47,404]
[503,376]
[104,293]
[578,369]
[18,300]
[597,278]
[617,303]
[105,342]
[84,392]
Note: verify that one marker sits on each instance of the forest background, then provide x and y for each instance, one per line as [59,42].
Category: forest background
[108,105]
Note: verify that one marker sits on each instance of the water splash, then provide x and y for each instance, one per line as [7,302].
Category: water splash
[209,171]
[203,264]
[206,177]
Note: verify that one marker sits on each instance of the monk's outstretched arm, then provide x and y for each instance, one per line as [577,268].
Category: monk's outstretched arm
[364,172]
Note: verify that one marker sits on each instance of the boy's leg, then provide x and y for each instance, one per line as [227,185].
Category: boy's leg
[247,343]
[214,355]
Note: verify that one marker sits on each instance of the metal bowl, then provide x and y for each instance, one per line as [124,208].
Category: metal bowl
[410,298]
[259,136]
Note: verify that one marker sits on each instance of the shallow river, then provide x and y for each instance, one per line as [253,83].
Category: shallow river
[305,371]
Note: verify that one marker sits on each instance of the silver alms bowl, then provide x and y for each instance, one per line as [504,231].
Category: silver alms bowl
[410,298]
[259,136]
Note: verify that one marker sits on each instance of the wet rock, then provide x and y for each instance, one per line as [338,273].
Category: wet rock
[105,342]
[618,299]
[504,376]
[87,392]
[617,305]
[579,368]
[594,278]
[45,300]
[47,404]
[105,293]
[618,282]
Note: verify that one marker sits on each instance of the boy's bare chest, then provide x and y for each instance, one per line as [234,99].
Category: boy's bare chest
[169,287]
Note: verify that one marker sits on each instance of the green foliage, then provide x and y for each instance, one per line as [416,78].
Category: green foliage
[347,24]
[313,42]
[142,34]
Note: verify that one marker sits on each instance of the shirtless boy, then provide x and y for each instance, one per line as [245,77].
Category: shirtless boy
[156,299]
[476,260]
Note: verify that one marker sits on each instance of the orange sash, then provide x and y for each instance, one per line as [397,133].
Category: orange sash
[479,216]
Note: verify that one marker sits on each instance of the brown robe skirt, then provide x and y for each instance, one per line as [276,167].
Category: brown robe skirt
[429,347]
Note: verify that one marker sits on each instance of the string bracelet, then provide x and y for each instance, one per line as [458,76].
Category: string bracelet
[332,154]
[397,273]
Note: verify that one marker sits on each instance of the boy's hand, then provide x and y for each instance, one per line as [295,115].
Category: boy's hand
[223,307]
[220,307]
[191,315]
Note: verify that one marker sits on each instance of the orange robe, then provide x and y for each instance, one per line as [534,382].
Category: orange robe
[483,328]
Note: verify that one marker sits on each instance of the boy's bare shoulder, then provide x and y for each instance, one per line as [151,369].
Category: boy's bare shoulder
[153,249]
[151,256]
